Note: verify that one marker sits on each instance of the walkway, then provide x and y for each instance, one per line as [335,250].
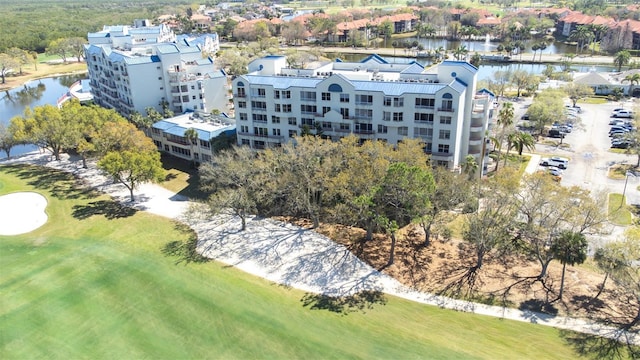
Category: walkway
[293,256]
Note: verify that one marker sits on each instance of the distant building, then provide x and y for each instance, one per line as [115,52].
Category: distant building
[133,68]
[372,99]
[169,135]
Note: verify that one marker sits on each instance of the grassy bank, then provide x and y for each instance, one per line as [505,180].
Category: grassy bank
[95,282]
[42,70]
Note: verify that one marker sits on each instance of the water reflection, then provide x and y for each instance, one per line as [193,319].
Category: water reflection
[25,95]
[485,45]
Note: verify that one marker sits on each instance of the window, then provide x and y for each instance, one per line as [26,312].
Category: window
[364,99]
[344,98]
[366,114]
[326,96]
[425,103]
[307,96]
[444,135]
[386,116]
[193,87]
[276,94]
[292,121]
[345,127]
[308,109]
[244,129]
[185,98]
[344,112]
[326,125]
[422,117]
[396,101]
[241,92]
[445,120]
[243,116]
[397,116]
[443,148]
[382,129]
[447,105]
[275,120]
[427,147]
[193,97]
[364,128]
[403,131]
[261,93]
[307,121]
[260,131]
[286,94]
[275,132]
[423,132]
[242,104]
[325,109]
[286,108]
[293,133]
[277,108]
[259,117]
[246,142]
[259,105]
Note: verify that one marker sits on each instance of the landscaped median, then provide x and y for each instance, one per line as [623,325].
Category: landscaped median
[94,281]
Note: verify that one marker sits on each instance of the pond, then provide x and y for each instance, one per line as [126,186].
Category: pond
[486,45]
[33,93]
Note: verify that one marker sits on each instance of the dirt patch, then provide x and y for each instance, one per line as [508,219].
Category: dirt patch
[444,267]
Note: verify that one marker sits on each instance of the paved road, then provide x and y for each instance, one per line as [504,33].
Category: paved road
[590,158]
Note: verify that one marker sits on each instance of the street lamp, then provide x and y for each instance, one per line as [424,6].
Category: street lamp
[624,189]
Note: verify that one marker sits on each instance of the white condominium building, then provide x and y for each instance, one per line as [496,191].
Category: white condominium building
[373,99]
[129,72]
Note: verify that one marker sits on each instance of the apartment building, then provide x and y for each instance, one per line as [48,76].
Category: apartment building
[131,69]
[373,99]
[169,135]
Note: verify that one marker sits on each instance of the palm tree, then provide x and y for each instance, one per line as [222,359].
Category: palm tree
[581,35]
[632,79]
[524,140]
[470,166]
[622,58]
[511,139]
[535,48]
[569,248]
[192,137]
[460,52]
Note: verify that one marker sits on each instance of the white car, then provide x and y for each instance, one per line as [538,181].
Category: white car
[628,114]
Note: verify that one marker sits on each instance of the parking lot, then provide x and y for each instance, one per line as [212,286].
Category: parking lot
[589,152]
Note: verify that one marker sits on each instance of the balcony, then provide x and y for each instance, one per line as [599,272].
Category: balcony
[336,129]
[363,132]
[240,95]
[475,141]
[261,136]
[308,99]
[446,109]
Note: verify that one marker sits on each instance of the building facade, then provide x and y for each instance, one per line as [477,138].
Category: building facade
[169,135]
[372,99]
[130,72]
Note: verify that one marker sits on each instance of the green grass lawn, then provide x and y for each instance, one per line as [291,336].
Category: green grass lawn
[93,282]
[618,210]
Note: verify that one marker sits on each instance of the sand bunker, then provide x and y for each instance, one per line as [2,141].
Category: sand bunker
[22,212]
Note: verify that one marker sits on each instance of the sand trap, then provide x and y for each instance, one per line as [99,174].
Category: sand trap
[22,212]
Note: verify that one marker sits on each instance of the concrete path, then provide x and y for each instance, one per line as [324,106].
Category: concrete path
[296,257]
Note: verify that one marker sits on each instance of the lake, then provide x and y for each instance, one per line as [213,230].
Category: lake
[34,93]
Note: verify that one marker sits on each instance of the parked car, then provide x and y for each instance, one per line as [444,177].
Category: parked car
[555,133]
[623,114]
[525,117]
[616,122]
[620,144]
[614,133]
[560,163]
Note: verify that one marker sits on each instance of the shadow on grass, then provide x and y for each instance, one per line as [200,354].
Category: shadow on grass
[538,310]
[109,208]
[612,345]
[184,251]
[172,164]
[60,184]
[344,304]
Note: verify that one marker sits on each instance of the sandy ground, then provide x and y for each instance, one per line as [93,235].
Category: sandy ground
[22,212]
[290,255]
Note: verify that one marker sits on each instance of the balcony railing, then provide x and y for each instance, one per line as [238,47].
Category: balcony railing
[363,132]
[446,109]
[261,136]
